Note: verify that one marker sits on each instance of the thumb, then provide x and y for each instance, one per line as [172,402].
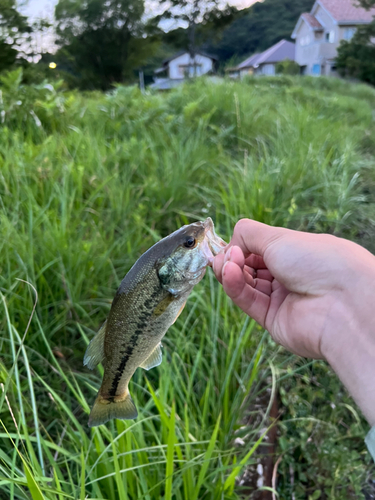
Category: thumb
[254,237]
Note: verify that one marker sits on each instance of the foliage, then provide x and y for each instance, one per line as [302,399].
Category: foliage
[232,34]
[101,40]
[367,4]
[83,194]
[288,67]
[13,27]
[202,18]
[357,57]
[259,27]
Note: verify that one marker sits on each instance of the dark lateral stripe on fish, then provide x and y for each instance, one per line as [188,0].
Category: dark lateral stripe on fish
[120,370]
[142,323]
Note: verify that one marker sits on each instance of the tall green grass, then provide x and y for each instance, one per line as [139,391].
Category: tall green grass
[87,184]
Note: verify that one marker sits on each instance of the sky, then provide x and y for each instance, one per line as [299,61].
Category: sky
[45,8]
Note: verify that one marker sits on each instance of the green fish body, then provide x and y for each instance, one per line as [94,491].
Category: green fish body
[147,303]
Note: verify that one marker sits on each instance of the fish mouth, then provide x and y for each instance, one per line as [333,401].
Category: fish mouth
[212,244]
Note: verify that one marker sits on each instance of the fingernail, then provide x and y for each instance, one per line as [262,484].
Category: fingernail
[223,271]
[228,255]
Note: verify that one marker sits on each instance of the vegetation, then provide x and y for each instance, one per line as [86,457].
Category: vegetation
[13,28]
[259,27]
[87,184]
[357,57]
[234,34]
[287,67]
[102,43]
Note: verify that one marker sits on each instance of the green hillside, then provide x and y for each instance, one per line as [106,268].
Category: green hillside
[87,184]
[246,31]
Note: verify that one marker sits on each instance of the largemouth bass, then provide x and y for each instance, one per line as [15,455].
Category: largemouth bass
[148,301]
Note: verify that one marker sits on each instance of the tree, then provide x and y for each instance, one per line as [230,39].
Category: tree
[259,27]
[100,39]
[287,67]
[13,29]
[367,4]
[192,12]
[356,58]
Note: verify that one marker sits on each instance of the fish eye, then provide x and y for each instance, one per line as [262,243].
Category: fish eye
[190,242]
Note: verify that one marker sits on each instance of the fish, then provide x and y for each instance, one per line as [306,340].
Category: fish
[148,301]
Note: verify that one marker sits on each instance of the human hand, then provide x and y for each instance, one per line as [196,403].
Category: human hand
[314,293]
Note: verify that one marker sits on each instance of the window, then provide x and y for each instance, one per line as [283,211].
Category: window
[349,33]
[268,69]
[305,40]
[330,36]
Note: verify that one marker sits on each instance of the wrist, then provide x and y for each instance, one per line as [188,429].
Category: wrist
[350,350]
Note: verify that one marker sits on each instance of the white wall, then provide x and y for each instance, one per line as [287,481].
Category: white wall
[267,69]
[179,66]
[319,52]
[246,71]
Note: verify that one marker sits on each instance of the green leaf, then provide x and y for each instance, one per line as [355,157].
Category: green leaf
[170,454]
[35,491]
[206,459]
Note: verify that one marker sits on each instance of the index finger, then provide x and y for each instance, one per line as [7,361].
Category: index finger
[254,237]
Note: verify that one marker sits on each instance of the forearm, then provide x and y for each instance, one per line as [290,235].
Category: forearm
[350,349]
[354,362]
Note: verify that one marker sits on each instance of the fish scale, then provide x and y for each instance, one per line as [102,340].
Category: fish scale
[147,303]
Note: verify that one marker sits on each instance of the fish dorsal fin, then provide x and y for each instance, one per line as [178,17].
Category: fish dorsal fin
[154,359]
[95,350]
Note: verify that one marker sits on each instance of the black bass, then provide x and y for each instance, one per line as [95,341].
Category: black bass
[148,301]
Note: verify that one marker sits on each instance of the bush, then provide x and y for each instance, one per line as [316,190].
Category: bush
[288,67]
[356,58]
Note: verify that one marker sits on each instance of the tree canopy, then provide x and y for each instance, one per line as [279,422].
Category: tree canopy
[258,27]
[356,58]
[101,40]
[13,27]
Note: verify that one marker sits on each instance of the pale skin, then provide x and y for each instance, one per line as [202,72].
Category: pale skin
[314,293]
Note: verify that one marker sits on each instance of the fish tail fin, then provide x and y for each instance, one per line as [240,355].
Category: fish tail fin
[104,410]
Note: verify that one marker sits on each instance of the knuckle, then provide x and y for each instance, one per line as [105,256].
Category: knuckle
[241,225]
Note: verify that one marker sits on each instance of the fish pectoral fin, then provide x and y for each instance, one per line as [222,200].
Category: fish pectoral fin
[155,358]
[95,350]
[179,312]
[104,410]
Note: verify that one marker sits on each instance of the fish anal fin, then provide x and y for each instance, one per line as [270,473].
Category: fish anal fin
[121,407]
[95,350]
[179,312]
[155,358]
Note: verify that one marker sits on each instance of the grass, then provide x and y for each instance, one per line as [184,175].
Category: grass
[87,184]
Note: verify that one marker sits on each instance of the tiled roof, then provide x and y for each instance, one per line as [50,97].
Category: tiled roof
[345,11]
[181,52]
[279,52]
[311,21]
[249,62]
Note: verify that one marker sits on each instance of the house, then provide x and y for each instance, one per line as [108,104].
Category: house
[182,65]
[265,62]
[318,33]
